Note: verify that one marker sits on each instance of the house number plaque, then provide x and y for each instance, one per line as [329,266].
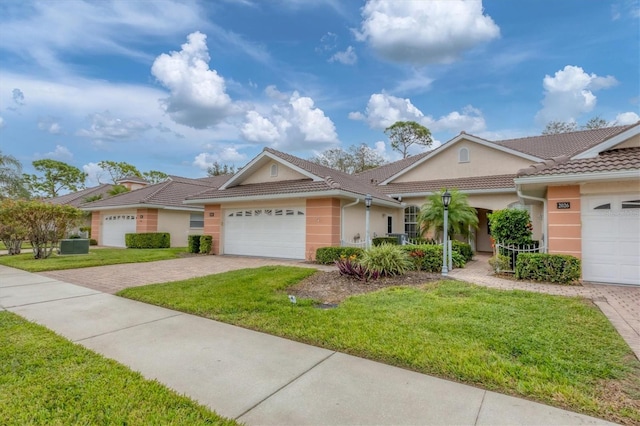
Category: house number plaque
[563,205]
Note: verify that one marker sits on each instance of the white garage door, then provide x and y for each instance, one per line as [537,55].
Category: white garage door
[114,226]
[269,232]
[611,239]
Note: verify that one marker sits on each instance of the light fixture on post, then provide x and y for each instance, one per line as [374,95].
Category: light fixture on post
[367,203]
[446,199]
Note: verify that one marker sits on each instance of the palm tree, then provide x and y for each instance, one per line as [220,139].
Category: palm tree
[461,218]
[11,182]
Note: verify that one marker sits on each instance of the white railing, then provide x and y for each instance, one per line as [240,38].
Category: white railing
[354,243]
[511,251]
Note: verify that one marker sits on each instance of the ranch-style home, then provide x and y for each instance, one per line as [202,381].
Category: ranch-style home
[582,190]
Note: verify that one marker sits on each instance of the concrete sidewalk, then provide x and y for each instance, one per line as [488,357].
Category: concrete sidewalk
[254,377]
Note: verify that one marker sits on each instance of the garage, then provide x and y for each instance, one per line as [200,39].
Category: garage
[611,239]
[115,226]
[267,232]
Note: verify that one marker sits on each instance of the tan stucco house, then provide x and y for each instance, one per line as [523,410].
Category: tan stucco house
[279,205]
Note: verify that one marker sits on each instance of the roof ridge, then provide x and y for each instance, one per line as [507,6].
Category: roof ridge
[151,194]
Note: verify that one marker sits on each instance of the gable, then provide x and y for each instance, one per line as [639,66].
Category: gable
[451,162]
[265,173]
[633,142]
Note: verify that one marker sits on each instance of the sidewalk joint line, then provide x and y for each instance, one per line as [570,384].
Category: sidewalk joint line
[177,314]
[38,283]
[480,409]
[53,300]
[285,385]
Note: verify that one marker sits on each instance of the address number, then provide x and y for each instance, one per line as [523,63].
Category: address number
[563,205]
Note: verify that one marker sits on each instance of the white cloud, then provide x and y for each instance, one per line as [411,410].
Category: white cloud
[569,94]
[95,174]
[424,32]
[50,125]
[417,83]
[290,123]
[106,127]
[383,110]
[1,122]
[225,155]
[627,118]
[198,94]
[348,57]
[61,153]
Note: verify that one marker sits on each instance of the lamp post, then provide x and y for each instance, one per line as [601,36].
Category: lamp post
[446,199]
[367,202]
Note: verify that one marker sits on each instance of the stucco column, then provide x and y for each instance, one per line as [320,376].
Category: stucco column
[322,224]
[212,225]
[96,223]
[146,220]
[565,225]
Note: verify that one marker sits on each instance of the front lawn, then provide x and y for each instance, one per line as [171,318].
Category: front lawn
[96,257]
[45,379]
[560,351]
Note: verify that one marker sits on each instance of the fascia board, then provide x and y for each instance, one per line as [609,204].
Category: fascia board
[452,142]
[124,206]
[579,177]
[607,144]
[470,191]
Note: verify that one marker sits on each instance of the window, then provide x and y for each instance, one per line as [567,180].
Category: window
[463,155]
[389,224]
[196,220]
[411,221]
[603,207]
[274,170]
[631,204]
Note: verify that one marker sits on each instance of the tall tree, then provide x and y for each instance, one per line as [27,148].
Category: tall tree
[364,158]
[119,170]
[356,159]
[555,127]
[403,134]
[11,180]
[217,169]
[154,176]
[56,177]
[461,216]
[334,158]
[596,123]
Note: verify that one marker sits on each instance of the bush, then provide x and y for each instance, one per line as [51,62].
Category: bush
[350,267]
[419,241]
[74,237]
[462,248]
[378,241]
[328,255]
[193,243]
[206,242]
[500,263]
[554,268]
[429,259]
[148,240]
[510,226]
[93,242]
[387,259]
[457,260]
[86,229]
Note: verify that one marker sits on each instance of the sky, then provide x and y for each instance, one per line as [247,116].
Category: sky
[177,85]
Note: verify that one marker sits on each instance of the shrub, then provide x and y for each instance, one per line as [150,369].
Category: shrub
[510,226]
[148,240]
[457,260]
[74,237]
[86,229]
[388,259]
[193,243]
[463,248]
[349,266]
[500,263]
[418,241]
[385,240]
[430,260]
[554,268]
[93,242]
[206,242]
[328,255]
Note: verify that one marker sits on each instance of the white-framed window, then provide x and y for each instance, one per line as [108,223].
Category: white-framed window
[411,221]
[274,170]
[196,220]
[463,155]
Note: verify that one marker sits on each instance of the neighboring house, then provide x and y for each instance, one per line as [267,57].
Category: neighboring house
[282,206]
[150,208]
[80,197]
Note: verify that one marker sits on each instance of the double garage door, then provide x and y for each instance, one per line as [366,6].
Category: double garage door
[611,239]
[268,232]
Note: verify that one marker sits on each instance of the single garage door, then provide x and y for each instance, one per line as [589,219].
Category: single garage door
[268,232]
[114,226]
[611,239]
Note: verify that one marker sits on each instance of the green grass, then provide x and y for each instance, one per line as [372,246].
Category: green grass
[24,245]
[96,257]
[47,380]
[561,351]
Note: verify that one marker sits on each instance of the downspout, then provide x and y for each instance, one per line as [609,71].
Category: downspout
[545,229]
[342,240]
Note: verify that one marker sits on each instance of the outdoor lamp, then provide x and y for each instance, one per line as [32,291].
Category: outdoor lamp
[446,199]
[367,202]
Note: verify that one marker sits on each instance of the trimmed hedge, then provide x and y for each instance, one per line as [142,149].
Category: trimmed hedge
[148,240]
[93,242]
[193,243]
[378,241]
[554,268]
[328,255]
[426,257]
[462,248]
[206,242]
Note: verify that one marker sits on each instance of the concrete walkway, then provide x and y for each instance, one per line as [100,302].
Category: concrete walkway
[254,377]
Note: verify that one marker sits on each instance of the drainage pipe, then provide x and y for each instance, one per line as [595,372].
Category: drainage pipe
[545,229]
[342,240]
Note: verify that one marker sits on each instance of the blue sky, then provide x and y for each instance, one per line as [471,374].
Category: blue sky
[175,86]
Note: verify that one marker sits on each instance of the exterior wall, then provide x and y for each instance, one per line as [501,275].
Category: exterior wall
[147,220]
[176,223]
[355,221]
[565,229]
[483,161]
[212,225]
[323,224]
[263,174]
[96,226]
[633,142]
[609,187]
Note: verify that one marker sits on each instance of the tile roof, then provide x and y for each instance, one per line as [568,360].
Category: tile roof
[170,193]
[463,184]
[133,178]
[384,172]
[570,143]
[77,198]
[607,161]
